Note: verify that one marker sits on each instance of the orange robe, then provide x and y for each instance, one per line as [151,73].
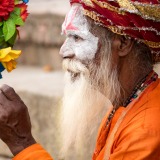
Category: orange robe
[136,138]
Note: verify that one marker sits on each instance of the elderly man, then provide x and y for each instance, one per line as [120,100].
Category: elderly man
[109,52]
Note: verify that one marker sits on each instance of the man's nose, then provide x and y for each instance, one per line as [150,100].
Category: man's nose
[66,52]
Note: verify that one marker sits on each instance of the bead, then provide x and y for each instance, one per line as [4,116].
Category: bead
[140,87]
[135,96]
[25,1]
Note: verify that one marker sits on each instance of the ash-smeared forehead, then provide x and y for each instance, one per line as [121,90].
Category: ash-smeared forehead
[68,23]
[75,21]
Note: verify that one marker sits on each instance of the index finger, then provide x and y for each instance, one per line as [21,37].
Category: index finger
[9,92]
[3,98]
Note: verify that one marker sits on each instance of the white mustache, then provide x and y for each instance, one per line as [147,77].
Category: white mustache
[74,66]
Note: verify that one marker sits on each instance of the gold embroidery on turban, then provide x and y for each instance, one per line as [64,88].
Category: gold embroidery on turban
[88,3]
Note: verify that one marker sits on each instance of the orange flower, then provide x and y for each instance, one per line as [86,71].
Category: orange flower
[24,13]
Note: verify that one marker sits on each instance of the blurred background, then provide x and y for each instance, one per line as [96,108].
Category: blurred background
[38,78]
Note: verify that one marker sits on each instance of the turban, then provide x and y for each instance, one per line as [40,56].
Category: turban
[139,19]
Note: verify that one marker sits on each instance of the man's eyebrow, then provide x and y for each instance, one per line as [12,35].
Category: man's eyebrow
[72,33]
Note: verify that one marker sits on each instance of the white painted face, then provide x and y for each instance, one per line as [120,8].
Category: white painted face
[80,42]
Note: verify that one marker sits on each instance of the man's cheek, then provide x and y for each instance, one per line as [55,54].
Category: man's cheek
[85,50]
[80,51]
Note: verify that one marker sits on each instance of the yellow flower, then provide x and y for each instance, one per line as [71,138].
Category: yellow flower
[7,58]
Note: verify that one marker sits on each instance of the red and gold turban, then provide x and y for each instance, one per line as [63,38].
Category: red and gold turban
[139,19]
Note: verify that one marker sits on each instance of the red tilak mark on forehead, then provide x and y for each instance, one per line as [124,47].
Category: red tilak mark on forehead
[69,20]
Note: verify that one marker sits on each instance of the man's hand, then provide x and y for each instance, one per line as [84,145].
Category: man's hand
[15,126]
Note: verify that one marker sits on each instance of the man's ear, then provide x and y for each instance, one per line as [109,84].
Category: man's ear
[123,45]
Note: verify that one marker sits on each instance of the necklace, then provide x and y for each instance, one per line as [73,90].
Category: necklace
[140,87]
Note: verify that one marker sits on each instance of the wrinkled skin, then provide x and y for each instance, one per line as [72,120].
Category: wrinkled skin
[15,125]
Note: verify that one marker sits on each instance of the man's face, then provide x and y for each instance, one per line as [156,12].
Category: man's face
[80,43]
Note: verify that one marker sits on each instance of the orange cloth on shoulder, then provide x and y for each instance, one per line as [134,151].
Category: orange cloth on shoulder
[34,152]
[138,136]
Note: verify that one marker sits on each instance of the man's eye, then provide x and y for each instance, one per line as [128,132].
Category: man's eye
[77,38]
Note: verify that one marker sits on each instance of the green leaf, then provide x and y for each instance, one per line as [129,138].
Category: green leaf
[1,23]
[3,44]
[17,11]
[9,29]
[16,1]
[17,19]
[14,16]
[11,41]
[1,41]
[1,34]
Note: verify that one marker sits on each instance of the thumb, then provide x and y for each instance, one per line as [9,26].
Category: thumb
[9,92]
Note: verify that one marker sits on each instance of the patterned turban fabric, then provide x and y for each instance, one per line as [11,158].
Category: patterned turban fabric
[139,19]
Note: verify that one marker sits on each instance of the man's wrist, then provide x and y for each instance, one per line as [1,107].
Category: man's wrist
[21,144]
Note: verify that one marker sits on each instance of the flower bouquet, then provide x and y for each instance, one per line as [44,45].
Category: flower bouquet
[13,14]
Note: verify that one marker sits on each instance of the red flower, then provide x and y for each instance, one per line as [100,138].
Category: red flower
[6,7]
[24,13]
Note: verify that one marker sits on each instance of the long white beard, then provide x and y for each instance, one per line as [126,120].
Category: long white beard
[82,112]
